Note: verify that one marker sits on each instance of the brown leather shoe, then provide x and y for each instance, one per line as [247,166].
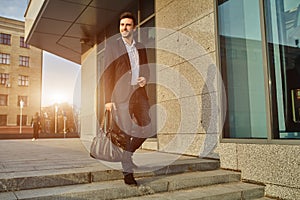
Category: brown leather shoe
[129,180]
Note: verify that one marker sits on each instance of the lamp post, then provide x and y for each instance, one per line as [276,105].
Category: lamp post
[65,122]
[55,118]
[21,109]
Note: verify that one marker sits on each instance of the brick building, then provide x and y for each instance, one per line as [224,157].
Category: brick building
[20,76]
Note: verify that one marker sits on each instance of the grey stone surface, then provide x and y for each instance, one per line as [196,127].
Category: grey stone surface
[202,145]
[275,165]
[202,31]
[23,183]
[169,84]
[65,177]
[71,164]
[163,56]
[282,192]
[159,4]
[171,15]
[116,189]
[233,191]
[271,164]
[228,156]
[8,196]
[182,103]
[150,144]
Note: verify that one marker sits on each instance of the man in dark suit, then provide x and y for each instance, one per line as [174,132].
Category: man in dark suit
[125,77]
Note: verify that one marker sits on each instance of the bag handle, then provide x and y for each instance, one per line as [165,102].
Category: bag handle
[106,123]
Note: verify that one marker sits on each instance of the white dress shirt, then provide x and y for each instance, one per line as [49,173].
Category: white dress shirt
[134,61]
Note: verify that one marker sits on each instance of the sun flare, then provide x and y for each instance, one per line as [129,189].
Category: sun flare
[59,98]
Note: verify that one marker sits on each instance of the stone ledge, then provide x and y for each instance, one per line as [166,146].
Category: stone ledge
[53,178]
[151,185]
[151,189]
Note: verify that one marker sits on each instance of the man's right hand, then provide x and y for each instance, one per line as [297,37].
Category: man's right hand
[108,106]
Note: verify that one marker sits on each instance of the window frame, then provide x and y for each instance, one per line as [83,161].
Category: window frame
[24,120]
[5,39]
[4,58]
[23,44]
[24,61]
[23,80]
[6,99]
[272,137]
[4,79]
[3,116]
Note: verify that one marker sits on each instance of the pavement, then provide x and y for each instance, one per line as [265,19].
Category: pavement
[18,157]
[63,169]
[24,157]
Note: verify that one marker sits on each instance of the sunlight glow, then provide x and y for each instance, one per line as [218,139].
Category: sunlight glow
[59,98]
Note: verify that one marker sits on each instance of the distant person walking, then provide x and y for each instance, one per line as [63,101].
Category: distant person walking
[35,123]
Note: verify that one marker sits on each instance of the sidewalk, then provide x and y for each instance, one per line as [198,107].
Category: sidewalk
[19,158]
[63,169]
[10,135]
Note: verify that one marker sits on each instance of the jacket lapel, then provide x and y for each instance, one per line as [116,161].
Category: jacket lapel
[123,52]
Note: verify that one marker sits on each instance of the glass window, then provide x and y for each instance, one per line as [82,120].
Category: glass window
[146,8]
[3,120]
[23,43]
[24,120]
[24,61]
[4,79]
[283,37]
[5,38]
[4,58]
[3,99]
[23,80]
[242,68]
[147,37]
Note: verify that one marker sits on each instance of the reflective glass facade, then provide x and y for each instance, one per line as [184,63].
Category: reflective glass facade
[258,87]
[283,36]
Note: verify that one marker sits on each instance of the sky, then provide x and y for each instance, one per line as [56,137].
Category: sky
[61,78]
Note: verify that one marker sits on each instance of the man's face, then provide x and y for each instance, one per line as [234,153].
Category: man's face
[126,27]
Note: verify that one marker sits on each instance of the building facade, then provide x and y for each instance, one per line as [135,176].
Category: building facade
[224,76]
[20,76]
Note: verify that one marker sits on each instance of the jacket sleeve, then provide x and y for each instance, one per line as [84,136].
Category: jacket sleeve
[108,74]
[144,71]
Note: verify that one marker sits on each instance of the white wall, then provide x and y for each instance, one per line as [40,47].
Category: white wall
[88,94]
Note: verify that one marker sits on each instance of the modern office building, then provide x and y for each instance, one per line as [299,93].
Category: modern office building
[20,76]
[224,76]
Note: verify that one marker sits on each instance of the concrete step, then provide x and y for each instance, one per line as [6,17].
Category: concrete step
[62,177]
[173,184]
[150,144]
[229,191]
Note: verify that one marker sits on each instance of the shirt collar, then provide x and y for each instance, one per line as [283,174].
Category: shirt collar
[126,44]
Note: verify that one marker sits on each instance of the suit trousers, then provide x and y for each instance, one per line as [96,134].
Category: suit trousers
[138,110]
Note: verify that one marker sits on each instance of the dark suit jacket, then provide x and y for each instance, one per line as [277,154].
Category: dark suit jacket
[117,74]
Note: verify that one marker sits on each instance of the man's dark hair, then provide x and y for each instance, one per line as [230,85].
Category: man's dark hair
[128,15]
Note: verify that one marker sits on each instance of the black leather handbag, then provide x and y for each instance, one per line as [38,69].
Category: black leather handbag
[108,145]
[117,136]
